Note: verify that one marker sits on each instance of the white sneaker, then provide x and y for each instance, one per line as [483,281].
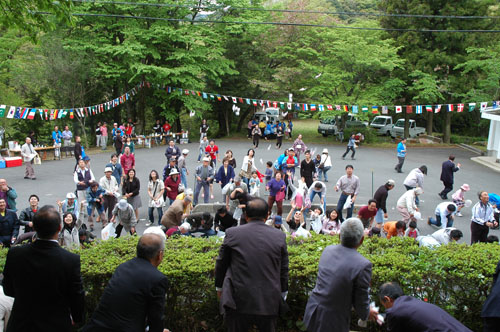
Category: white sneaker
[149,223]
[459,214]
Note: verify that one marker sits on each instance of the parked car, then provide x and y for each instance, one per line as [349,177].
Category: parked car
[327,127]
[382,124]
[270,114]
[353,121]
[398,129]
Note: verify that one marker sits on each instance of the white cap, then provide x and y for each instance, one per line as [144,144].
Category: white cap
[70,196]
[325,151]
[122,205]
[185,151]
[206,159]
[108,169]
[174,172]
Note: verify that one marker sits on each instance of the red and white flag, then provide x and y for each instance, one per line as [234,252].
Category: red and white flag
[460,108]
[438,109]
[399,109]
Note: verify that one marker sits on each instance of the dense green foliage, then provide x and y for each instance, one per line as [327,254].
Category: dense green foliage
[455,277]
[88,60]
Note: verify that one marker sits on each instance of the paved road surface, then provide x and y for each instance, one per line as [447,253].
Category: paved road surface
[372,165]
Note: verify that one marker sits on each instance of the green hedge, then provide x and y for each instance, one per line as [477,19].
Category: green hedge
[456,277]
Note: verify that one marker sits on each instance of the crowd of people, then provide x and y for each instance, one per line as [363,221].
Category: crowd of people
[296,176]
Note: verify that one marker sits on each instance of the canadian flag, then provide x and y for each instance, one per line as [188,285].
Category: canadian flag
[399,109]
[460,108]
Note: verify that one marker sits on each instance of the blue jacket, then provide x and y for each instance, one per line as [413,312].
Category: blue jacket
[401,150]
[117,171]
[223,178]
[91,199]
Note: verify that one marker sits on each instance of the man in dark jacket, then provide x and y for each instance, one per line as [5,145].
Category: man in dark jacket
[26,219]
[9,225]
[381,198]
[55,296]
[447,170]
[224,220]
[201,222]
[135,295]
[491,307]
[408,314]
[172,151]
[251,272]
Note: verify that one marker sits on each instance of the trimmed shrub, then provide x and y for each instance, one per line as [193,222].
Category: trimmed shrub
[456,277]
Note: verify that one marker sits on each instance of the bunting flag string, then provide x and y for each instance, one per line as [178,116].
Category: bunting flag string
[29,113]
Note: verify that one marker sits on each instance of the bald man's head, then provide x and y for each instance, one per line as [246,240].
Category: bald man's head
[149,246]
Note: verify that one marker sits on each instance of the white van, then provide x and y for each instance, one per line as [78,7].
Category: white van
[270,114]
[398,129]
[382,124]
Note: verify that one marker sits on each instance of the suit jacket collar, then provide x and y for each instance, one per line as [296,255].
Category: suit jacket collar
[45,244]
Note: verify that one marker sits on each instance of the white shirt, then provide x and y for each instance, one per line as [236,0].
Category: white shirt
[75,175]
[110,185]
[244,165]
[326,160]
[407,200]
[322,190]
[443,235]
[442,211]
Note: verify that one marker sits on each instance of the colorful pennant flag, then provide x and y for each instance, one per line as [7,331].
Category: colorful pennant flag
[460,108]
[289,106]
[355,109]
[330,107]
[2,110]
[248,101]
[12,112]
[438,109]
[345,108]
[313,107]
[374,109]
[32,114]
[364,109]
[337,107]
[494,105]
[17,115]
[399,109]
[409,109]
[428,108]
[472,106]
[385,110]
[234,100]
[484,105]
[321,108]
[418,109]
[305,107]
[450,107]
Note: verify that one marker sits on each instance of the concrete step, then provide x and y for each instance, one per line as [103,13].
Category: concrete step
[212,208]
[487,161]
[471,149]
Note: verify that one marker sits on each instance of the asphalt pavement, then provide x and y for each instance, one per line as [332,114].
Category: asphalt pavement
[373,166]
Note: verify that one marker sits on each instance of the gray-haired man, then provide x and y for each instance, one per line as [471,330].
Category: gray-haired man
[343,283]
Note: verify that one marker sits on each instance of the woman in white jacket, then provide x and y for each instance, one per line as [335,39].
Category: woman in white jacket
[68,237]
[248,166]
[407,205]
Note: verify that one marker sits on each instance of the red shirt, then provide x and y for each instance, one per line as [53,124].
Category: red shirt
[166,127]
[128,130]
[128,162]
[212,151]
[364,213]
[174,185]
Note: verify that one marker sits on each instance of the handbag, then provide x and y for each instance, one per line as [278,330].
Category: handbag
[37,160]
[244,174]
[280,195]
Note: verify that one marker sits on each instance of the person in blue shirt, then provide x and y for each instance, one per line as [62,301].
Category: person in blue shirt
[351,145]
[268,131]
[56,138]
[401,155]
[290,128]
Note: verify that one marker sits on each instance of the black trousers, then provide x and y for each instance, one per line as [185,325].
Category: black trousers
[279,141]
[347,151]
[236,322]
[448,186]
[256,140]
[478,233]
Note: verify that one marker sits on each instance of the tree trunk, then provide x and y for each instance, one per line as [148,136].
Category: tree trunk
[243,117]
[407,125]
[430,116]
[447,128]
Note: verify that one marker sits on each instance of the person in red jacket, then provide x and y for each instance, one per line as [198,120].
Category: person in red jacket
[172,185]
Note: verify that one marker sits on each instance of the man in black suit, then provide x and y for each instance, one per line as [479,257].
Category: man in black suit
[135,295]
[408,314]
[447,170]
[44,280]
[251,272]
[491,308]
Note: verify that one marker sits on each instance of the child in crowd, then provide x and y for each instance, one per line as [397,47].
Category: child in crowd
[317,161]
[459,199]
[254,185]
[269,171]
[412,230]
[331,223]
[316,219]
